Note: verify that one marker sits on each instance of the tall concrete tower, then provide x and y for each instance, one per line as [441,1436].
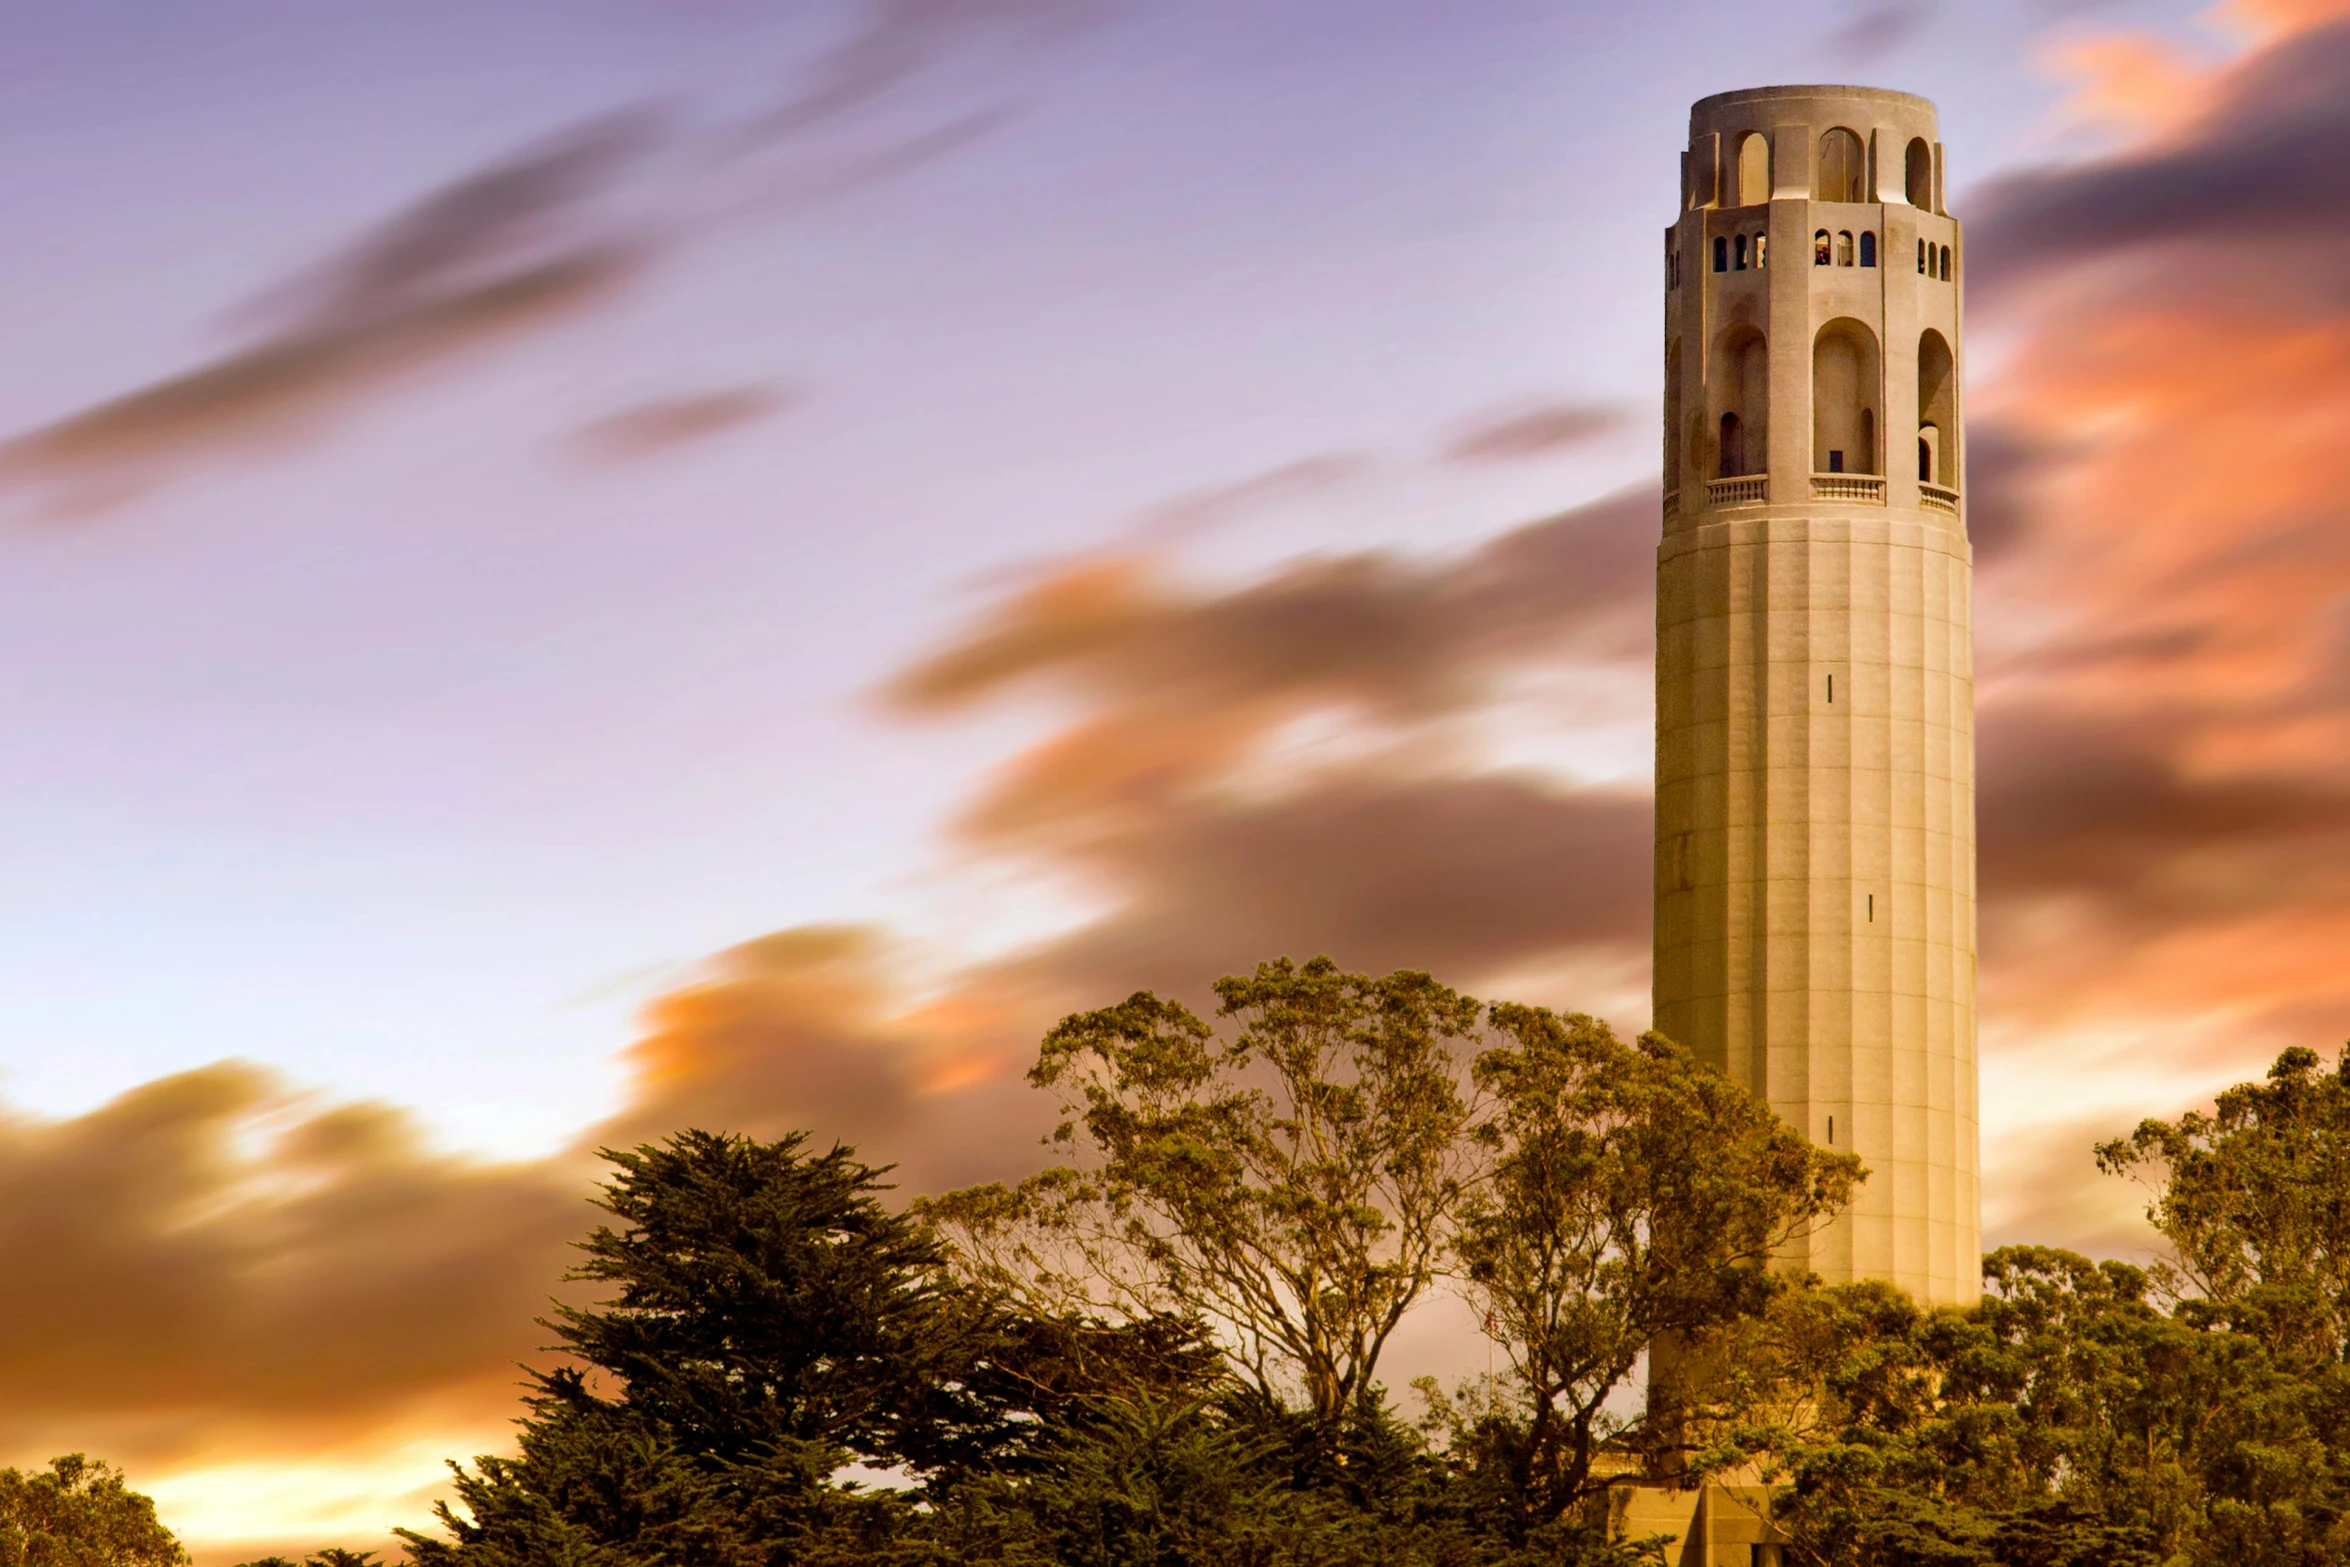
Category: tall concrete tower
[1815,803]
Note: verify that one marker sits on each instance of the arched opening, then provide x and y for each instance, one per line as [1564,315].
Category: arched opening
[1672,264]
[1844,247]
[1762,250]
[1946,263]
[1819,248]
[1923,268]
[1937,410]
[1868,248]
[1721,254]
[1738,385]
[1844,166]
[1754,169]
[1844,398]
[1741,252]
[1920,175]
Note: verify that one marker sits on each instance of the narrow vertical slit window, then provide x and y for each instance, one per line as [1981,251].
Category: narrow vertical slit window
[1921,258]
[1872,908]
[1831,1131]
[1831,688]
[1741,253]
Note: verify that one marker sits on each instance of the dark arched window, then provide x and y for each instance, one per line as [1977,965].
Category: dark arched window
[1819,248]
[1920,172]
[1946,263]
[1733,447]
[1925,459]
[1844,248]
[1741,252]
[1721,254]
[1922,272]
[1868,249]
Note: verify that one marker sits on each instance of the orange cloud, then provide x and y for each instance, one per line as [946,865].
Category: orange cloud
[210,1263]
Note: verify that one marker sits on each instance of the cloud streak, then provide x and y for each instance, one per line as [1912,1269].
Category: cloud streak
[662,425]
[539,238]
[525,244]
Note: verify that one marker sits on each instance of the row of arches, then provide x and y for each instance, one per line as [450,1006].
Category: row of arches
[1736,252]
[1842,170]
[1841,246]
[1732,251]
[1846,379]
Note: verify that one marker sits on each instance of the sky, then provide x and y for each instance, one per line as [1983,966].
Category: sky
[570,570]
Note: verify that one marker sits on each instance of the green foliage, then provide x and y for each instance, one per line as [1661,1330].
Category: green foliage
[1634,1196]
[1289,1183]
[771,1323]
[80,1513]
[1165,1351]
[2255,1202]
[331,1556]
[2096,1414]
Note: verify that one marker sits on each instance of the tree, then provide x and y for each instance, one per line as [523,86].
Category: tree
[1635,1196]
[1290,1182]
[2254,1199]
[771,1322]
[80,1513]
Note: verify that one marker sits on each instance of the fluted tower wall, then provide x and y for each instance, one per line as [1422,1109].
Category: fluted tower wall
[1815,839]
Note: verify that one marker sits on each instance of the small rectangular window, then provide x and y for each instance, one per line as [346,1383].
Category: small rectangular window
[1835,462]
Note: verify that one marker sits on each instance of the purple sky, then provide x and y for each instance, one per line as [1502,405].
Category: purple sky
[401,744]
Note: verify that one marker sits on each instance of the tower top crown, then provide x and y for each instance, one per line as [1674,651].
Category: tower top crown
[1823,142]
[1817,91]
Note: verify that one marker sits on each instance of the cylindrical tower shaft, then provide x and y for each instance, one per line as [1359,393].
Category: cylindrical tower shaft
[1815,839]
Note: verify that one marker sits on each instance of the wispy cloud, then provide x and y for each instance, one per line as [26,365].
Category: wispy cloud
[1537,430]
[537,239]
[1876,28]
[512,249]
[661,425]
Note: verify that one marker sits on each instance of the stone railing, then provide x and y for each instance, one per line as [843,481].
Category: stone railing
[1750,490]
[1938,498]
[1867,488]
